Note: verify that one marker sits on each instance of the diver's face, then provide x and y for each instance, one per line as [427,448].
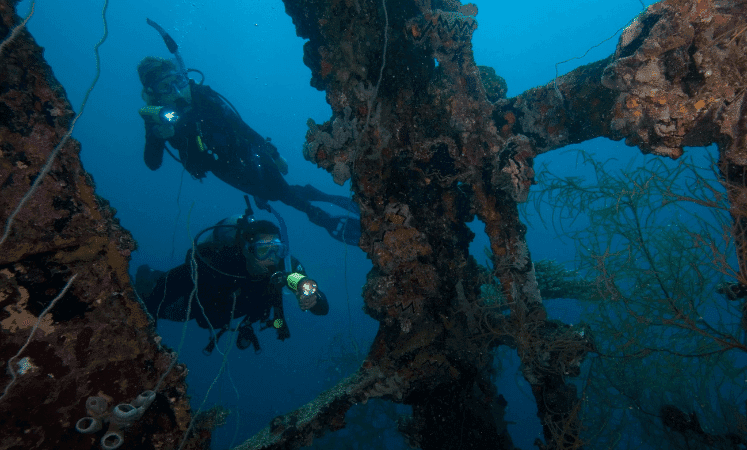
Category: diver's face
[171,88]
[266,251]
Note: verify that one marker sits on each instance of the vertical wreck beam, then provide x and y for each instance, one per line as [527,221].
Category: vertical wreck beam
[413,129]
[426,152]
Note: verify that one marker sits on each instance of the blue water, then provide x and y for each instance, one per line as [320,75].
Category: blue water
[249,52]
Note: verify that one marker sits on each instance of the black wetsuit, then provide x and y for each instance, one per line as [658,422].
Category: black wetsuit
[221,273]
[211,137]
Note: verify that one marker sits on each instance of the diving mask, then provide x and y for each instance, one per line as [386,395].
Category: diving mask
[170,83]
[264,249]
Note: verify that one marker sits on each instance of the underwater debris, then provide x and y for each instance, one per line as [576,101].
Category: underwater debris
[438,148]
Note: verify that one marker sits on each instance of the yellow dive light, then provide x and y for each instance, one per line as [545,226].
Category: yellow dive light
[298,282]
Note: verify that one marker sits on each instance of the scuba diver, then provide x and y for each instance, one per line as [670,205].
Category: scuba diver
[240,271]
[210,136]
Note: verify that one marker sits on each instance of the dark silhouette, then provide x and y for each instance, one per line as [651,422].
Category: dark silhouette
[210,136]
[240,271]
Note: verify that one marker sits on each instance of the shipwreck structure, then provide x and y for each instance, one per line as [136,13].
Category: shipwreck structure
[430,142]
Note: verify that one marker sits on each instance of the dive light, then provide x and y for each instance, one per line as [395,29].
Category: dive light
[298,282]
[159,114]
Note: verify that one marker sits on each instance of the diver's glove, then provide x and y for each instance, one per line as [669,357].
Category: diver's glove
[163,131]
[283,333]
[279,325]
[163,120]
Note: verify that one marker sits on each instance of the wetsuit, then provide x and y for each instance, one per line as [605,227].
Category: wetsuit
[221,273]
[211,137]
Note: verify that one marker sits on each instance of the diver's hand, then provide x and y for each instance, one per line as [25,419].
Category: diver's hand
[306,302]
[283,333]
[163,131]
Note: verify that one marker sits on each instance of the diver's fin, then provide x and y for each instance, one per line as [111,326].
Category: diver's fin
[213,341]
[312,194]
[247,337]
[342,228]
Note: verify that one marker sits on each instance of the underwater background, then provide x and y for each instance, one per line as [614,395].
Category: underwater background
[249,52]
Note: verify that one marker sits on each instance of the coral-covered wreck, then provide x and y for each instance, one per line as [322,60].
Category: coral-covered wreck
[430,142]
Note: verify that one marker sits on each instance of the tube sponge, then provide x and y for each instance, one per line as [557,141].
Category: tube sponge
[88,425]
[96,406]
[144,400]
[121,416]
[112,440]
[125,414]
